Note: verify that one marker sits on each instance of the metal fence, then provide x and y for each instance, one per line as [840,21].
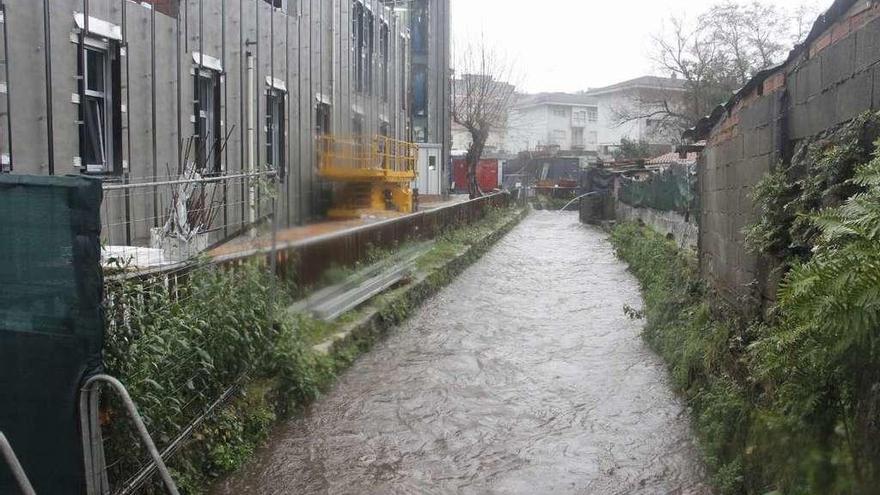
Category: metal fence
[156,223]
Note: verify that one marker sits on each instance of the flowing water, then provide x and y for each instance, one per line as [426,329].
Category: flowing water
[523,376]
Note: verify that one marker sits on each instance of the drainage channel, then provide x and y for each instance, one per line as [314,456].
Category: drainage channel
[523,376]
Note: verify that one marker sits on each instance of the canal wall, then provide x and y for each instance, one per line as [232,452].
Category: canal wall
[395,307]
[670,223]
[828,80]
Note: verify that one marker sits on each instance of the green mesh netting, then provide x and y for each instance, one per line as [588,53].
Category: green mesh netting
[671,189]
[51,322]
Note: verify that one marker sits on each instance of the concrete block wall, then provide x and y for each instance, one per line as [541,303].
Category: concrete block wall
[309,47]
[684,232]
[834,80]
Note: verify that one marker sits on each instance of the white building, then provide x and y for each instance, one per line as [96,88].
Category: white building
[593,121]
[561,121]
[644,98]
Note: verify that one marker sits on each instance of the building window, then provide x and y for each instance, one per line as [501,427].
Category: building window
[206,108]
[358,44]
[593,114]
[363,45]
[593,137]
[100,121]
[357,125]
[558,111]
[577,138]
[404,61]
[275,149]
[322,119]
[578,118]
[369,49]
[420,90]
[278,4]
[384,55]
[557,137]
[419,30]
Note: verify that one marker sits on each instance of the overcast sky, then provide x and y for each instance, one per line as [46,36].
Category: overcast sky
[570,45]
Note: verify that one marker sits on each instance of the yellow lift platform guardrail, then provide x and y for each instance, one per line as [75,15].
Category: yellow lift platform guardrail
[374,174]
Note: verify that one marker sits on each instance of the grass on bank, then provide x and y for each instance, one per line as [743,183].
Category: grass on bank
[179,346]
[791,403]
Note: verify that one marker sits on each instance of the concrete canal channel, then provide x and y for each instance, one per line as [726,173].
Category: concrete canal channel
[522,376]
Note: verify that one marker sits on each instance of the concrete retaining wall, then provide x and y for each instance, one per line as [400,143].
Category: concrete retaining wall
[685,233]
[831,81]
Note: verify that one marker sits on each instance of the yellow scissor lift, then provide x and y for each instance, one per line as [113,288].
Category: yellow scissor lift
[373,175]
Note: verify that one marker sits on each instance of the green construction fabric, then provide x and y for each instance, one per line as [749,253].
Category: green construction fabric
[671,189]
[51,322]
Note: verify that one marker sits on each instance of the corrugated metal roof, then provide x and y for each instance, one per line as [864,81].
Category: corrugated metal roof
[674,158]
[644,82]
[526,100]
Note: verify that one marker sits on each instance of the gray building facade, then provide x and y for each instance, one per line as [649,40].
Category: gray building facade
[431,78]
[125,90]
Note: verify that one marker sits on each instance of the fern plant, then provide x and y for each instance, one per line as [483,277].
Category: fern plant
[818,360]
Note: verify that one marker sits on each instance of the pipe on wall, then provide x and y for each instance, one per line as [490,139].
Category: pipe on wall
[251,141]
[47,40]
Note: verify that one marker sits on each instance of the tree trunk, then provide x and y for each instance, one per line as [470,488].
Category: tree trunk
[472,159]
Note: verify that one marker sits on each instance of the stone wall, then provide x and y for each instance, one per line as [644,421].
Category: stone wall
[684,232]
[828,82]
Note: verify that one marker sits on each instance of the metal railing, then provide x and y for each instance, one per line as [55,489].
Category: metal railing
[93,443]
[363,153]
[24,484]
[165,220]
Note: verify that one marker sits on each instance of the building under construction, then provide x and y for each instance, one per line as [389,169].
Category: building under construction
[209,115]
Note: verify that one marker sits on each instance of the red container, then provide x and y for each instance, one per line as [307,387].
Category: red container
[487,175]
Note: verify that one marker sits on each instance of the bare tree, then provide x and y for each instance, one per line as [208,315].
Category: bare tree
[715,54]
[482,98]
[690,54]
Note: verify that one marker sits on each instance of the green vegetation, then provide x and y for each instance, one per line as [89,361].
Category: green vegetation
[704,356]
[179,343]
[178,347]
[819,176]
[789,402]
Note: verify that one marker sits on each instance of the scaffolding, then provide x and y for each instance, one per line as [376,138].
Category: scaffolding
[373,176]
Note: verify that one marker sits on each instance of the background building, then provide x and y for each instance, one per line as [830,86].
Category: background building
[595,121]
[553,121]
[627,110]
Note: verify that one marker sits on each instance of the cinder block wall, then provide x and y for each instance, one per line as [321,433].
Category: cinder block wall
[831,81]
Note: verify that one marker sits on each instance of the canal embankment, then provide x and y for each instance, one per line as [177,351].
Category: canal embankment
[219,343]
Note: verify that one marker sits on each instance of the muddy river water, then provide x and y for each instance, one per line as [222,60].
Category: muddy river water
[524,376]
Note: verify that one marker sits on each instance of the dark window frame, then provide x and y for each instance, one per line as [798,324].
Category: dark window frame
[207,145]
[276,159]
[100,133]
[385,56]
